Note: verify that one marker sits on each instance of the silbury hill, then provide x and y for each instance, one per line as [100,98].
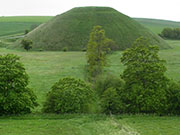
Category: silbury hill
[71,30]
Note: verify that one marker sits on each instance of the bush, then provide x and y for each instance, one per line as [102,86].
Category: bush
[109,89]
[111,102]
[27,44]
[173,98]
[109,81]
[69,95]
[170,33]
[15,96]
[65,49]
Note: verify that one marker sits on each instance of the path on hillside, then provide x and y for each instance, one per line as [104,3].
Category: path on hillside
[12,37]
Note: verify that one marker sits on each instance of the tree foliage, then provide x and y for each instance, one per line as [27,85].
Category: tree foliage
[15,96]
[27,44]
[69,95]
[145,82]
[171,33]
[98,47]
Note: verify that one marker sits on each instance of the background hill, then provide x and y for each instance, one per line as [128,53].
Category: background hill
[18,24]
[71,29]
[157,25]
[14,25]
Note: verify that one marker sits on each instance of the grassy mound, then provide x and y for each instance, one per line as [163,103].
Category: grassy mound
[71,29]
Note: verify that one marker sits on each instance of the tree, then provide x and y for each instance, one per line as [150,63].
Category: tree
[15,96]
[145,82]
[97,49]
[27,44]
[171,33]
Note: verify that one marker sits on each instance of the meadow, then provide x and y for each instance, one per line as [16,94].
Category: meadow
[45,68]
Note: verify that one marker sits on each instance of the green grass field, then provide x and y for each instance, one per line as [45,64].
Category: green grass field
[45,68]
[18,24]
[89,125]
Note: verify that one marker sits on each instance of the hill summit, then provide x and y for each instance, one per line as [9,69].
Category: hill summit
[72,28]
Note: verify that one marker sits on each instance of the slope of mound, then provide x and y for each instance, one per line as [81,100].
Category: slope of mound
[71,29]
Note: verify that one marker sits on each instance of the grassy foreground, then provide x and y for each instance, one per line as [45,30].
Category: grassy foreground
[45,68]
[89,125]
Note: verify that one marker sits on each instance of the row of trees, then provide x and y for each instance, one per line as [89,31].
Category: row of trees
[170,33]
[142,88]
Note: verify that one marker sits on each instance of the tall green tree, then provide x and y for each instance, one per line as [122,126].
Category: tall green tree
[145,81]
[15,96]
[98,47]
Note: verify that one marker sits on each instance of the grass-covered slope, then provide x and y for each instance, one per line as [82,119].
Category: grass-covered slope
[157,25]
[18,24]
[71,29]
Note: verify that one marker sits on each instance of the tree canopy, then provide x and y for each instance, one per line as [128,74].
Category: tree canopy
[144,76]
[15,96]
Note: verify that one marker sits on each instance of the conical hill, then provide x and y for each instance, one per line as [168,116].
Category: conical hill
[71,29]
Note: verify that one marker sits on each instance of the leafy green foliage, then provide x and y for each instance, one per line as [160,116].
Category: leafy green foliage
[27,44]
[65,49]
[105,82]
[171,33]
[15,96]
[145,82]
[108,89]
[96,51]
[26,32]
[72,29]
[111,102]
[69,95]
[173,98]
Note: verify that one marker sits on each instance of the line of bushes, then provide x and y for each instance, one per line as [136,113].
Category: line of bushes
[170,33]
[142,88]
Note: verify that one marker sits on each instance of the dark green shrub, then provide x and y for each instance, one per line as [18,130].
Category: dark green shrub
[111,102]
[15,96]
[109,81]
[65,49]
[144,100]
[69,95]
[27,44]
[26,32]
[170,33]
[109,89]
[84,49]
[173,98]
